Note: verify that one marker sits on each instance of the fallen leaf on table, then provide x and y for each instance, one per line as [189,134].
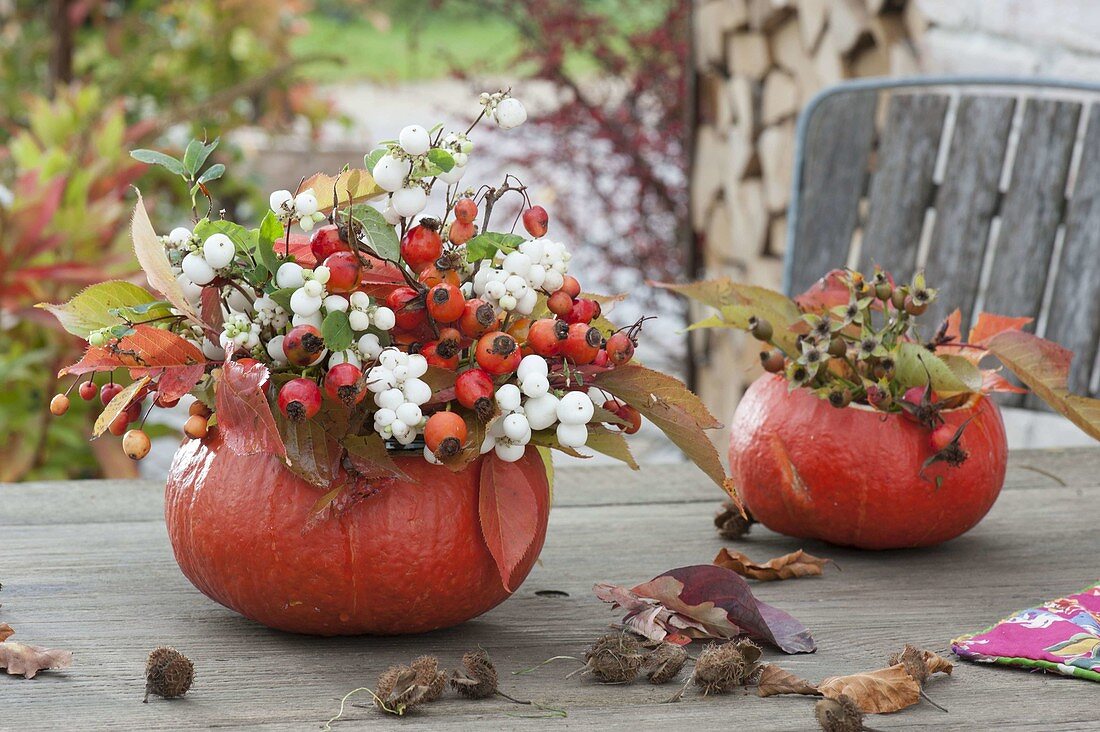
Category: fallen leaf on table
[5,632]
[920,664]
[788,566]
[705,601]
[774,680]
[877,692]
[27,661]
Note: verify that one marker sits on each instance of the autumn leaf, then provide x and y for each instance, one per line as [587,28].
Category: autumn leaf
[610,442]
[669,404]
[722,602]
[774,680]
[1044,366]
[5,632]
[828,292]
[788,566]
[117,404]
[145,350]
[154,261]
[313,448]
[875,692]
[350,186]
[27,661]
[920,663]
[370,459]
[96,307]
[988,325]
[648,617]
[244,415]
[509,511]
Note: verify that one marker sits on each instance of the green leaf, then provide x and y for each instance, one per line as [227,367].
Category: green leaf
[243,239]
[378,235]
[282,297]
[485,246]
[270,231]
[214,172]
[441,159]
[950,374]
[191,156]
[100,305]
[337,332]
[611,443]
[153,157]
[371,159]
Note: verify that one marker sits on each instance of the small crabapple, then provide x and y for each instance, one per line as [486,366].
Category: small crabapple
[343,383]
[135,443]
[942,436]
[445,303]
[325,241]
[601,359]
[560,303]
[461,232]
[571,285]
[119,424]
[108,392]
[466,210]
[88,390]
[583,311]
[498,353]
[477,318]
[441,354]
[421,245]
[432,275]
[299,399]
[535,220]
[196,427]
[474,390]
[59,405]
[583,344]
[620,348]
[343,270]
[547,335]
[773,361]
[626,413]
[408,307]
[444,434]
[303,345]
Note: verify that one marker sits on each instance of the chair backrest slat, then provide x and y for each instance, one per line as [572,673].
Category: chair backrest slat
[1074,319]
[967,201]
[838,149]
[1033,208]
[902,184]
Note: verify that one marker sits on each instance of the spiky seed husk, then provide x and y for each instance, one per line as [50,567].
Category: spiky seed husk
[722,668]
[168,673]
[478,679]
[429,675]
[615,658]
[731,524]
[665,662]
[398,690]
[839,715]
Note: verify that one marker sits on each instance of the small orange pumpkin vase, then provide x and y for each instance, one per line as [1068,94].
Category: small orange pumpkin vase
[853,476]
[407,560]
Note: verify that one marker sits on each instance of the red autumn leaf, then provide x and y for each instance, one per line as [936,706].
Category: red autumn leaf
[828,292]
[954,325]
[210,309]
[1044,366]
[509,513]
[722,601]
[244,415]
[27,661]
[147,350]
[650,618]
[988,326]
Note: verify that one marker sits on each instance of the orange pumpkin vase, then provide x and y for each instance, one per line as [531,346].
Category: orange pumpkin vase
[408,559]
[855,476]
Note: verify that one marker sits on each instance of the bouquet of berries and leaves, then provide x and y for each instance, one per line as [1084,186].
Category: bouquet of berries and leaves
[857,339]
[337,332]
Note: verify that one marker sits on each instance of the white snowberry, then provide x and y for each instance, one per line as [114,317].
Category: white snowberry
[526,304]
[390,172]
[281,202]
[360,300]
[410,414]
[410,201]
[392,217]
[384,417]
[179,236]
[369,346]
[541,412]
[414,140]
[321,273]
[332,303]
[384,319]
[417,391]
[454,175]
[532,364]
[305,203]
[348,356]
[289,275]
[191,291]
[313,319]
[302,303]
[197,269]
[535,385]
[417,365]
[510,113]
[430,456]
[275,350]
[508,302]
[379,379]
[575,408]
[390,399]
[217,250]
[517,428]
[572,435]
[313,288]
[508,397]
[509,452]
[517,263]
[358,319]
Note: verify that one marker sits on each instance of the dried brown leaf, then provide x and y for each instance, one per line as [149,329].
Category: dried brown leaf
[5,632]
[920,663]
[875,692]
[26,661]
[774,680]
[788,566]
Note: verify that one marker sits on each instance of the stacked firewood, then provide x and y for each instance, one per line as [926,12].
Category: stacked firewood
[758,62]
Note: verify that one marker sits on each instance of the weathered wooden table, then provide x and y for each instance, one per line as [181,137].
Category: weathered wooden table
[87,567]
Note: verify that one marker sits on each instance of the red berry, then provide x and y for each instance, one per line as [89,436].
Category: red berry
[302,345]
[461,233]
[474,390]
[560,303]
[343,383]
[498,353]
[199,408]
[421,246]
[626,413]
[535,220]
[327,241]
[583,311]
[444,434]
[445,303]
[546,336]
[119,424]
[408,307]
[299,399]
[133,409]
[571,286]
[601,359]
[433,275]
[441,354]
[583,344]
[620,349]
[915,395]
[477,318]
[88,390]
[108,392]
[59,405]
[466,210]
[942,436]
[195,427]
[343,270]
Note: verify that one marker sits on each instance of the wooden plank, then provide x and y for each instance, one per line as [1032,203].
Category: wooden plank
[834,171]
[110,591]
[966,203]
[901,185]
[1033,207]
[1074,319]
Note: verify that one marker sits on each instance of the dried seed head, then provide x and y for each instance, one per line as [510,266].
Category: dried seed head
[168,673]
[478,679]
[401,688]
[429,675]
[731,524]
[665,662]
[615,658]
[722,668]
[839,715]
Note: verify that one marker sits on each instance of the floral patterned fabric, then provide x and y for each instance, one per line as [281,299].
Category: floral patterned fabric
[1061,636]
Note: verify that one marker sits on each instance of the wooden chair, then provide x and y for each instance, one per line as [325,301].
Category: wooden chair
[991,185]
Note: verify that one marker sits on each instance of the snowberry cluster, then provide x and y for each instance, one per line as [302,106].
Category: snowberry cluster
[514,285]
[240,333]
[302,208]
[504,109]
[399,394]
